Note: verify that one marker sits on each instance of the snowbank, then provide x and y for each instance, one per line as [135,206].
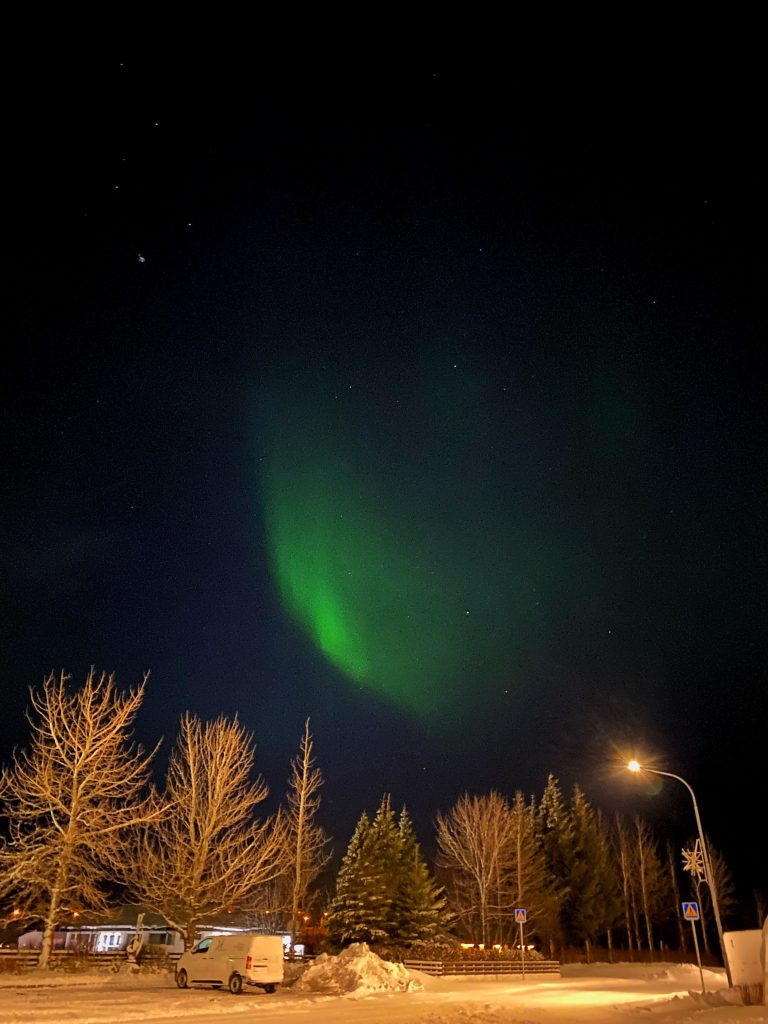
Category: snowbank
[355,972]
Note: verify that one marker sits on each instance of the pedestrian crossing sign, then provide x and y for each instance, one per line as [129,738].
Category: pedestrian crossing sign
[691,911]
[520,915]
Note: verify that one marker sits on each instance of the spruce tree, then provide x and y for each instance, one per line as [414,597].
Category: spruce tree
[554,827]
[592,904]
[346,909]
[384,891]
[419,909]
[530,881]
[382,857]
[367,883]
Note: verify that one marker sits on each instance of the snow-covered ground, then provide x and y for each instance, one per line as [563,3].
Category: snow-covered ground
[357,987]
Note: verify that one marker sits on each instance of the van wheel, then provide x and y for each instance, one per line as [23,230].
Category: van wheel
[181,979]
[235,984]
[269,989]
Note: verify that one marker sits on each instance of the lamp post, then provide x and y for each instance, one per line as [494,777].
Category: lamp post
[635,766]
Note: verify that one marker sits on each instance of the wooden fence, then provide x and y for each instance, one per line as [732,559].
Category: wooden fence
[71,959]
[475,967]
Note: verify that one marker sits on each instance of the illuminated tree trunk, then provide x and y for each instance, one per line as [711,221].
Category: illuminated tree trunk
[53,912]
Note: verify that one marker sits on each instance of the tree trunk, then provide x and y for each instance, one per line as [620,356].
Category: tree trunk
[48,930]
[636,923]
[53,912]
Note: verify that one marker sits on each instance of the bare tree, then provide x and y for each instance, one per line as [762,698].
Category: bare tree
[652,880]
[209,854]
[681,929]
[625,854]
[475,843]
[307,840]
[70,797]
[723,885]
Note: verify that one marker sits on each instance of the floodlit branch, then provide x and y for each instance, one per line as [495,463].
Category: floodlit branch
[208,852]
[71,796]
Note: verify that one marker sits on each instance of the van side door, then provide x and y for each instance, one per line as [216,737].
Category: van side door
[199,961]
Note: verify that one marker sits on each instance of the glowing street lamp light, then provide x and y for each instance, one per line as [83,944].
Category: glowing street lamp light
[635,766]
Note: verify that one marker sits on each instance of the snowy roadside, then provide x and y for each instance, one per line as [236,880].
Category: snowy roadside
[359,988]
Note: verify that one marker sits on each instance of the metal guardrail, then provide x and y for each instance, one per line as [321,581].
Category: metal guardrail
[488,967]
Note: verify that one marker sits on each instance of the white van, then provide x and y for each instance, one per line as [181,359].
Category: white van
[234,961]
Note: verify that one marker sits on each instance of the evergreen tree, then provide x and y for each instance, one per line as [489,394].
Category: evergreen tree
[612,902]
[347,907]
[362,910]
[593,902]
[382,856]
[530,882]
[384,891]
[555,830]
[419,909]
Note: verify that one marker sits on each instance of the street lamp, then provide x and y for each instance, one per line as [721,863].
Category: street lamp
[635,766]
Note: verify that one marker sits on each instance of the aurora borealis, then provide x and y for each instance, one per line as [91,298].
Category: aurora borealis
[389,541]
[401,400]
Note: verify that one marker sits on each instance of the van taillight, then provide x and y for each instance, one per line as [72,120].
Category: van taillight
[248,963]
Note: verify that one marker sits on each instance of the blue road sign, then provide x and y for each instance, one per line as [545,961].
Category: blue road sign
[521,915]
[691,911]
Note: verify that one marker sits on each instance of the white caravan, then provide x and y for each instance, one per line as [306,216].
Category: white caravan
[234,961]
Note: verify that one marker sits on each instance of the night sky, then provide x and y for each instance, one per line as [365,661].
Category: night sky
[409,399]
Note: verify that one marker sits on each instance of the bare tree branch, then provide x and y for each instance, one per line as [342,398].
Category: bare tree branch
[209,853]
[70,797]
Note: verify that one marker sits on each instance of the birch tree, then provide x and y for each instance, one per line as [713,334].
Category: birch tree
[722,883]
[475,844]
[307,840]
[652,881]
[209,853]
[70,797]
[682,930]
[623,853]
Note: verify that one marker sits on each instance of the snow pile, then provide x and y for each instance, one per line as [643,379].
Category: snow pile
[355,972]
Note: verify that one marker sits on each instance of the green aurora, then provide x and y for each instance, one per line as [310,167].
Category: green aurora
[409,561]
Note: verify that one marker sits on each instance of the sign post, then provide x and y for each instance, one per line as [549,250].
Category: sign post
[691,913]
[521,915]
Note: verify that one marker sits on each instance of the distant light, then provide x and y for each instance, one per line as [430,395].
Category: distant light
[634,766]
